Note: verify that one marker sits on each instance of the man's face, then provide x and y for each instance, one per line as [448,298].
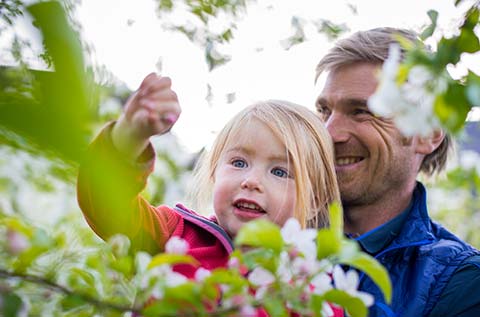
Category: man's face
[372,159]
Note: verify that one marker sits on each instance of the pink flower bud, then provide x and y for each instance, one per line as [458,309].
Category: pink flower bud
[17,242]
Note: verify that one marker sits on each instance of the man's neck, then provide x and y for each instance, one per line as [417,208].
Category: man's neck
[360,219]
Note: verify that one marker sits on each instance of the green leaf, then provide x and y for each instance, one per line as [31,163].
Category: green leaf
[275,307]
[71,302]
[448,52]
[86,276]
[165,5]
[433,15]
[54,116]
[229,277]
[468,41]
[182,299]
[260,233]
[11,304]
[472,90]
[336,219]
[267,259]
[328,243]
[452,107]
[171,259]
[353,305]
[373,269]
[124,265]
[160,308]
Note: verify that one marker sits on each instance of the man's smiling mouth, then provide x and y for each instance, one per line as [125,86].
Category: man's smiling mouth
[347,160]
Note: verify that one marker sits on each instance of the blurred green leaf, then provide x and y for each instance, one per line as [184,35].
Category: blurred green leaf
[468,41]
[11,304]
[336,219]
[433,15]
[370,266]
[260,233]
[267,259]
[71,302]
[171,259]
[353,305]
[452,107]
[54,116]
[275,307]
[473,89]
[328,243]
[178,300]
[86,276]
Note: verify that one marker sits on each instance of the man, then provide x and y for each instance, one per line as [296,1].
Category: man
[433,273]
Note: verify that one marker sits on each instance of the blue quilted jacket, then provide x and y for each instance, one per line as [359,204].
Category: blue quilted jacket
[420,260]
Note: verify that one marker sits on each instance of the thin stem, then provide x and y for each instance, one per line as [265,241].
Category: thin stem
[62,289]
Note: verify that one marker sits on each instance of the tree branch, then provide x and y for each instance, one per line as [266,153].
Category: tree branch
[63,290]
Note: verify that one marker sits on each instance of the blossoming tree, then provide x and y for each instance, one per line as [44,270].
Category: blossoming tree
[67,271]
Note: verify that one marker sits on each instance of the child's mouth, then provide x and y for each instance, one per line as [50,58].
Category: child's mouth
[248,210]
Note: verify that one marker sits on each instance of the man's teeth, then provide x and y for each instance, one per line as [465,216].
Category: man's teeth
[249,206]
[347,160]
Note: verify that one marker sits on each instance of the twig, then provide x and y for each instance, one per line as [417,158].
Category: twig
[62,289]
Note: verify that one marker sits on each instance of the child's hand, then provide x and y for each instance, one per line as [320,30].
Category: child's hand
[151,110]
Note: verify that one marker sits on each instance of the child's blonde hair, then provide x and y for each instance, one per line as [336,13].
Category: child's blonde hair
[309,149]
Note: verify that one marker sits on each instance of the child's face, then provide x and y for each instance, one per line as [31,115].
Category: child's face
[253,179]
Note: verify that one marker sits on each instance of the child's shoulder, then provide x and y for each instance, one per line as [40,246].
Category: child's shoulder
[185,211]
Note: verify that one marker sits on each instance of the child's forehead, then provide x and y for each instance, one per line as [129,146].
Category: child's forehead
[257,140]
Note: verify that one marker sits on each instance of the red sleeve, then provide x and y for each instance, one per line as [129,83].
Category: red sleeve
[108,190]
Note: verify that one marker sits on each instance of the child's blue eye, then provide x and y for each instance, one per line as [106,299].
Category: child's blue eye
[279,172]
[239,163]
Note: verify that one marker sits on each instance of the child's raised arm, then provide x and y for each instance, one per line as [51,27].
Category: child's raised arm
[151,110]
[118,163]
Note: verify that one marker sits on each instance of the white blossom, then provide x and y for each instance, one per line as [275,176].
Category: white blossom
[142,259]
[348,282]
[261,292]
[201,274]
[303,240]
[321,283]
[411,104]
[160,276]
[284,271]
[120,244]
[176,245]
[327,310]
[304,266]
[261,277]
[248,311]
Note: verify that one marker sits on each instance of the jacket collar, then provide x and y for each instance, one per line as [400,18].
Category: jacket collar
[411,227]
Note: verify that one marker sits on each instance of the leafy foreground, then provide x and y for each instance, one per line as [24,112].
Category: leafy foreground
[279,270]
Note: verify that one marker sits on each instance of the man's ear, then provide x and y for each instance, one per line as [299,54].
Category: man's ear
[428,144]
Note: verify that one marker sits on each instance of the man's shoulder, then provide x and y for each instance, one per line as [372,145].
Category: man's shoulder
[472,263]
[461,296]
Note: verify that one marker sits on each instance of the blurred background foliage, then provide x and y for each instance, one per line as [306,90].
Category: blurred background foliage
[47,119]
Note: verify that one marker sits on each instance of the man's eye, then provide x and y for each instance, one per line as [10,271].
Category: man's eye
[361,111]
[324,112]
[239,163]
[279,172]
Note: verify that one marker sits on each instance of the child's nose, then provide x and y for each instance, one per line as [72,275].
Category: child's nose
[252,182]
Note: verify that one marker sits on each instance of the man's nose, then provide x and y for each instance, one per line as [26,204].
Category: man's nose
[338,126]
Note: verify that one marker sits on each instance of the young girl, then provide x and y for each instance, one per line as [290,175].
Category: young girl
[273,160]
